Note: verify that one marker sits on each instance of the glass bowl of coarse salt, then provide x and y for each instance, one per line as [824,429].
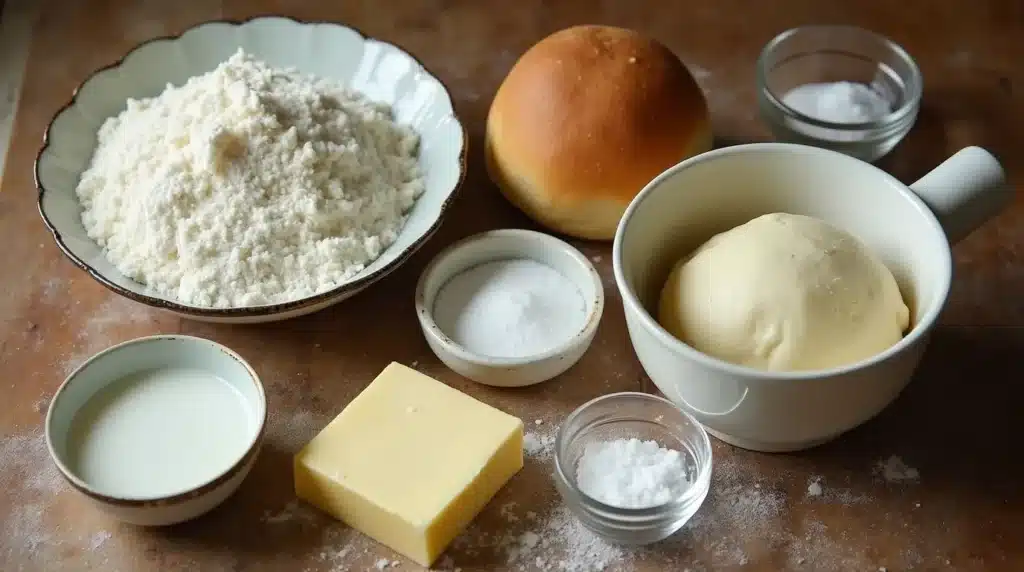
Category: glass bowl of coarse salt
[632,467]
[839,87]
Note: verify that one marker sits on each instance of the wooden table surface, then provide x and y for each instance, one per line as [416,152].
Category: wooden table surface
[959,423]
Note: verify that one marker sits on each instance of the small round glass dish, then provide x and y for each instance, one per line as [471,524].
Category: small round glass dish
[645,417]
[831,54]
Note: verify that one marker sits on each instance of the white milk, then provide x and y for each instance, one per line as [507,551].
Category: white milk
[159,432]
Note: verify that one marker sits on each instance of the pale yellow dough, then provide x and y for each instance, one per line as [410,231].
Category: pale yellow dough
[784,292]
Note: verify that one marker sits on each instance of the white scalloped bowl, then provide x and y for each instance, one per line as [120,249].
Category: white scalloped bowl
[380,70]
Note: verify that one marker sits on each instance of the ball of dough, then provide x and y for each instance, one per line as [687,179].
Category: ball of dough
[784,292]
[584,120]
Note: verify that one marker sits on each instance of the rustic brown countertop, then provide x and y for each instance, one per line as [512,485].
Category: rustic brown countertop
[959,423]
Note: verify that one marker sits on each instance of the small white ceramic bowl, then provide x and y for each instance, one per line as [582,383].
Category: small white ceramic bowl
[508,244]
[380,70]
[158,430]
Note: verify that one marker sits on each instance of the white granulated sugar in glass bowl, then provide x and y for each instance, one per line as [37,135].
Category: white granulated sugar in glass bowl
[249,186]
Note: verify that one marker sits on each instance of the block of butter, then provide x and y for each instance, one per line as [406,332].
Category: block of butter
[410,462]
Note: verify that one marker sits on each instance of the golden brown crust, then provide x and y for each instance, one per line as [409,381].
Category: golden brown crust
[585,119]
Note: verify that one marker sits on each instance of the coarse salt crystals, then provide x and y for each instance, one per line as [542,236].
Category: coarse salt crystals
[631,473]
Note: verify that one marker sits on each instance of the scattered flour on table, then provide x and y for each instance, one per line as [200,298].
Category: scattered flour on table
[745,517]
[31,482]
[114,311]
[52,290]
[745,513]
[814,488]
[95,333]
[249,185]
[508,512]
[817,490]
[25,530]
[339,547]
[291,431]
[539,443]
[553,542]
[738,509]
[558,542]
[98,539]
[895,470]
[335,556]
[25,460]
[291,512]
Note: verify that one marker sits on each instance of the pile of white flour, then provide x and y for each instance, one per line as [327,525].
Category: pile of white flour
[249,186]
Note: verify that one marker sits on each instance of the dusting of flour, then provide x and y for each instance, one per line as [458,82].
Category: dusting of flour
[249,186]
[895,470]
[101,330]
[26,461]
[539,444]
[560,543]
[31,484]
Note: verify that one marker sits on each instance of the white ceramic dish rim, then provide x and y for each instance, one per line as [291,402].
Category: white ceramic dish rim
[269,309]
[921,327]
[236,464]
[910,105]
[595,310]
[581,498]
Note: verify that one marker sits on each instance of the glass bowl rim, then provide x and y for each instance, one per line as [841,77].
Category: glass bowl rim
[911,101]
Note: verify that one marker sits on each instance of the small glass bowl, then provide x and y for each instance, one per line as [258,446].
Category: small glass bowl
[824,54]
[646,417]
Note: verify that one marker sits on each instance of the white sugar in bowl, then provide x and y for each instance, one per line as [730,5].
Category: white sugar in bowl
[556,291]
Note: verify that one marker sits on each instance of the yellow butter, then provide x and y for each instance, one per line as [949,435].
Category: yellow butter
[410,462]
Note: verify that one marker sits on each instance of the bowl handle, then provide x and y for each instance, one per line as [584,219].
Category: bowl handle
[704,413]
[965,191]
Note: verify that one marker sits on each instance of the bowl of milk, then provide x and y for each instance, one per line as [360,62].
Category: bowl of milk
[158,430]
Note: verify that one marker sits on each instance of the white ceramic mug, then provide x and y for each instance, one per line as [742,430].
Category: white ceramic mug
[910,228]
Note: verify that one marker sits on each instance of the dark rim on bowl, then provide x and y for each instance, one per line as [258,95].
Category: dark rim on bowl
[919,328]
[202,488]
[270,309]
[909,105]
[426,314]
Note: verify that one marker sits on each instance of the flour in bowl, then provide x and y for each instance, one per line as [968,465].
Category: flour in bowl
[249,185]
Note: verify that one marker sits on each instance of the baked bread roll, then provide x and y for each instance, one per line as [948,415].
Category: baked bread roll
[784,292]
[584,120]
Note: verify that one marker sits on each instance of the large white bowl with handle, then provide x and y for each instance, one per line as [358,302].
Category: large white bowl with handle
[910,228]
[377,69]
